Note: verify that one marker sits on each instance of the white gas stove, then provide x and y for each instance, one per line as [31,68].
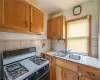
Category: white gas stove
[26,67]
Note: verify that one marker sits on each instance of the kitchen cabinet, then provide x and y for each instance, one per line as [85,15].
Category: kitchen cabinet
[37,20]
[60,27]
[20,16]
[59,73]
[52,67]
[51,30]
[68,70]
[14,15]
[87,73]
[84,78]
[56,28]
[69,75]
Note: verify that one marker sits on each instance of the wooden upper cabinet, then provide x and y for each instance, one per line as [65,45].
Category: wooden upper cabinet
[60,26]
[37,20]
[14,15]
[56,28]
[51,30]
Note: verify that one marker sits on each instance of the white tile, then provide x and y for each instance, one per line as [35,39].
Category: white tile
[95,51]
[10,45]
[23,44]
[94,42]
[32,43]
[28,43]
[2,46]
[17,44]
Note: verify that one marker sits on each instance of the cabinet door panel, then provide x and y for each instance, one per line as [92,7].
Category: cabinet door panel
[52,28]
[49,29]
[36,20]
[89,72]
[69,75]
[84,78]
[53,73]
[58,73]
[59,22]
[16,14]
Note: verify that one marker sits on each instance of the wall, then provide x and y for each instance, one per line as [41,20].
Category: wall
[6,45]
[99,33]
[90,8]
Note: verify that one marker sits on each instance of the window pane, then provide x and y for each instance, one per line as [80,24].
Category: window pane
[78,28]
[78,45]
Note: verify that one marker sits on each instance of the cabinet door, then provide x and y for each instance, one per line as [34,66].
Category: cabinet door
[59,25]
[37,20]
[52,28]
[49,33]
[53,73]
[84,78]
[90,73]
[69,75]
[58,73]
[15,15]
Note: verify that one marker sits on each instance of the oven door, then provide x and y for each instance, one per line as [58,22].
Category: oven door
[45,76]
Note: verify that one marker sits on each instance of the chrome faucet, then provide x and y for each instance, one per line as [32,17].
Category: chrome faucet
[68,51]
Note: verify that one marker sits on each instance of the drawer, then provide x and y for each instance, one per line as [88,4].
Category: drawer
[89,72]
[67,65]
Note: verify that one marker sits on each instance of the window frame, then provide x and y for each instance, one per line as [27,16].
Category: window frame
[89,38]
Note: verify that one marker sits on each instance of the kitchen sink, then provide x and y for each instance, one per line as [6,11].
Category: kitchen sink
[60,54]
[70,56]
[74,57]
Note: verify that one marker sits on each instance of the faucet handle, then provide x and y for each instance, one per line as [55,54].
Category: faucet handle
[69,50]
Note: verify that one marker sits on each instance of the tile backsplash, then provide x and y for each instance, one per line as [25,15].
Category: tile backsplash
[6,45]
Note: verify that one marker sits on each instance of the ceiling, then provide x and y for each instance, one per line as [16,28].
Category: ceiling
[56,6]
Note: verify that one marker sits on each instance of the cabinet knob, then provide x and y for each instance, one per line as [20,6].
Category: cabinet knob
[26,24]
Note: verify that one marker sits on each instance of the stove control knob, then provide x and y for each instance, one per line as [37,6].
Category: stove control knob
[26,79]
[36,73]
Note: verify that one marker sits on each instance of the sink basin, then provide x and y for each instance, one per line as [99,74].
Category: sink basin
[74,57]
[60,54]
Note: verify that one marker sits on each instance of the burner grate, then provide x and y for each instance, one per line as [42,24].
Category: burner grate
[15,70]
[37,60]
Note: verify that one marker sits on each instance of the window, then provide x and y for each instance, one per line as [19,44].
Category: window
[79,35]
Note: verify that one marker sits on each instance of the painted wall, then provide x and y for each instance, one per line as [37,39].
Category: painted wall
[90,8]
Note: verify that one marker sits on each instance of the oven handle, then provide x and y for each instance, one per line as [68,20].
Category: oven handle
[43,74]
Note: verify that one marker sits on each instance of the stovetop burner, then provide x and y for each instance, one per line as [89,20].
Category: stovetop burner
[15,70]
[37,60]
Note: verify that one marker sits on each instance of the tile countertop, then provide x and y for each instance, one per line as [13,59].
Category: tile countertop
[86,60]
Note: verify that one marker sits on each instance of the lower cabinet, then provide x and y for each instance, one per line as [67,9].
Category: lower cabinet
[69,75]
[53,73]
[52,67]
[88,73]
[64,74]
[64,70]
[83,78]
[58,73]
